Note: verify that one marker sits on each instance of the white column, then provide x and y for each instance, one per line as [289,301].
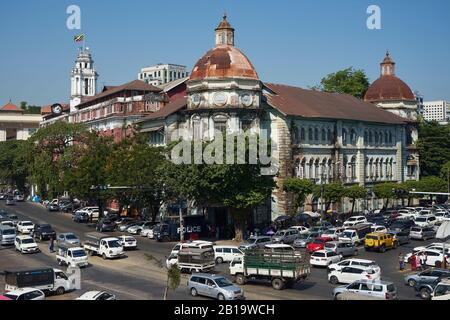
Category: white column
[2,135]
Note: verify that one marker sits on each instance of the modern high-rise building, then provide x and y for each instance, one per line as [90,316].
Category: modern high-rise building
[436,111]
[162,73]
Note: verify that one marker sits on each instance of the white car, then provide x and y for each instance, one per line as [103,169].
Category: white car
[434,257]
[355,263]
[25,227]
[442,215]
[227,253]
[333,233]
[300,229]
[26,244]
[353,221]
[25,294]
[136,228]
[323,258]
[97,295]
[128,242]
[353,273]
[145,231]
[378,229]
[90,211]
[425,221]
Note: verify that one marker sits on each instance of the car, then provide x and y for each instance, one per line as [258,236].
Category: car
[425,221]
[318,229]
[323,258]
[304,239]
[145,231]
[96,295]
[433,257]
[422,233]
[381,289]
[25,294]
[3,196]
[10,201]
[124,220]
[92,212]
[105,225]
[343,249]
[196,244]
[25,227]
[280,249]
[300,229]
[124,226]
[7,223]
[402,225]
[53,207]
[355,262]
[128,242]
[11,217]
[377,219]
[354,221]
[380,242]
[255,242]
[402,237]
[214,286]
[353,273]
[153,231]
[81,217]
[429,274]
[285,236]
[425,287]
[19,198]
[227,253]
[333,233]
[66,207]
[43,231]
[68,238]
[442,290]
[317,244]
[378,229]
[26,244]
[136,228]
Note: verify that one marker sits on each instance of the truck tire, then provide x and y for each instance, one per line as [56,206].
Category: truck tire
[334,280]
[91,253]
[104,256]
[278,284]
[240,279]
[219,260]
[425,293]
[60,291]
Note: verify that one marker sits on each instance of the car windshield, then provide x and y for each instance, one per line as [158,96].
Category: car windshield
[28,241]
[114,244]
[71,237]
[78,253]
[416,229]
[10,296]
[223,282]
[12,217]
[280,234]
[302,236]
[46,228]
[9,231]
[372,237]
[347,234]
[329,245]
[318,241]
[421,219]
[27,224]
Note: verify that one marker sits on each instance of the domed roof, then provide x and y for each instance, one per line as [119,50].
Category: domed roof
[224,62]
[389,88]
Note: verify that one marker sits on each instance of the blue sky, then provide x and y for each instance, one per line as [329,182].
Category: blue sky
[289,41]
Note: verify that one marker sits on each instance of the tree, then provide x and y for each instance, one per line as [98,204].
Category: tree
[301,188]
[331,193]
[355,192]
[434,148]
[347,81]
[385,191]
[173,275]
[30,109]
[409,186]
[445,174]
[13,168]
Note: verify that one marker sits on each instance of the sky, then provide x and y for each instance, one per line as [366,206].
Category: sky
[295,42]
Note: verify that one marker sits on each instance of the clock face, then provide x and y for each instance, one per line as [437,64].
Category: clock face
[196,99]
[57,109]
[220,99]
[247,100]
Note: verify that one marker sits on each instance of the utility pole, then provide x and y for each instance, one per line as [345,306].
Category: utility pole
[180,210]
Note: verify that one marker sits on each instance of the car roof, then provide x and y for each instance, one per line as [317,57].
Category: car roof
[208,275]
[91,294]
[23,237]
[277,245]
[22,291]
[225,246]
[382,282]
[359,260]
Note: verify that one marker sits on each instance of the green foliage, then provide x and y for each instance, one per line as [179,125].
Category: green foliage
[347,81]
[434,148]
[385,190]
[13,169]
[432,184]
[173,274]
[332,192]
[30,109]
[355,192]
[301,188]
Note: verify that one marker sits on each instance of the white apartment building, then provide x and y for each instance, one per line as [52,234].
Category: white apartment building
[436,111]
[162,73]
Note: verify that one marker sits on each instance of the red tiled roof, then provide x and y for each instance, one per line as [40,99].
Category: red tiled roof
[389,88]
[316,104]
[168,109]
[48,109]
[11,107]
[136,85]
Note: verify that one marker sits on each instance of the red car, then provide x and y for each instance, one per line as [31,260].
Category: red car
[317,244]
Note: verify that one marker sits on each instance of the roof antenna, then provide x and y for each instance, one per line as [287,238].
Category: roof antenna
[224,14]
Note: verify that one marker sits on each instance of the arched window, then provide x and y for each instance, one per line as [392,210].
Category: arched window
[386,138]
[390,138]
[324,135]
[376,138]
[302,134]
[329,136]
[370,137]
[316,134]
[310,134]
[344,137]
[353,137]
[366,137]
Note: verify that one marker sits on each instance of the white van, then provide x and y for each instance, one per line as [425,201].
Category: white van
[7,235]
[227,253]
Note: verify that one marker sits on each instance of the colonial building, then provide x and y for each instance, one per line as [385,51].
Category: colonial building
[162,73]
[83,78]
[15,124]
[320,136]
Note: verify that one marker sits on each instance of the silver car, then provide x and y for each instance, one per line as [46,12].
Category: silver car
[422,233]
[303,239]
[257,242]
[214,286]
[285,236]
[68,238]
[378,289]
[343,249]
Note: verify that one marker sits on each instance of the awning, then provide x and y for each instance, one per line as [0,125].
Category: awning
[444,231]
[155,129]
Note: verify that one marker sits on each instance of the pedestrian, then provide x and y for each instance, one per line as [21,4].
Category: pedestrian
[401,261]
[413,262]
[51,245]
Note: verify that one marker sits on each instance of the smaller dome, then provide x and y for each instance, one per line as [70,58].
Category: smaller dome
[224,62]
[389,88]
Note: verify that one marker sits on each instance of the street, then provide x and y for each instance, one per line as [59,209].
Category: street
[136,278]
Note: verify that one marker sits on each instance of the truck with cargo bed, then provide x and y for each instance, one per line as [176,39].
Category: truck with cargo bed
[193,259]
[103,245]
[71,255]
[281,269]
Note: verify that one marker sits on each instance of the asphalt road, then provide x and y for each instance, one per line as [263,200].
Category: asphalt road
[128,281]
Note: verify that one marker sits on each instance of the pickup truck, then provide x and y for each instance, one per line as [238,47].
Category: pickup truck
[71,255]
[45,279]
[192,259]
[282,270]
[103,245]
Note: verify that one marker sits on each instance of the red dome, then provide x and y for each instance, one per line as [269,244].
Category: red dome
[224,62]
[389,88]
